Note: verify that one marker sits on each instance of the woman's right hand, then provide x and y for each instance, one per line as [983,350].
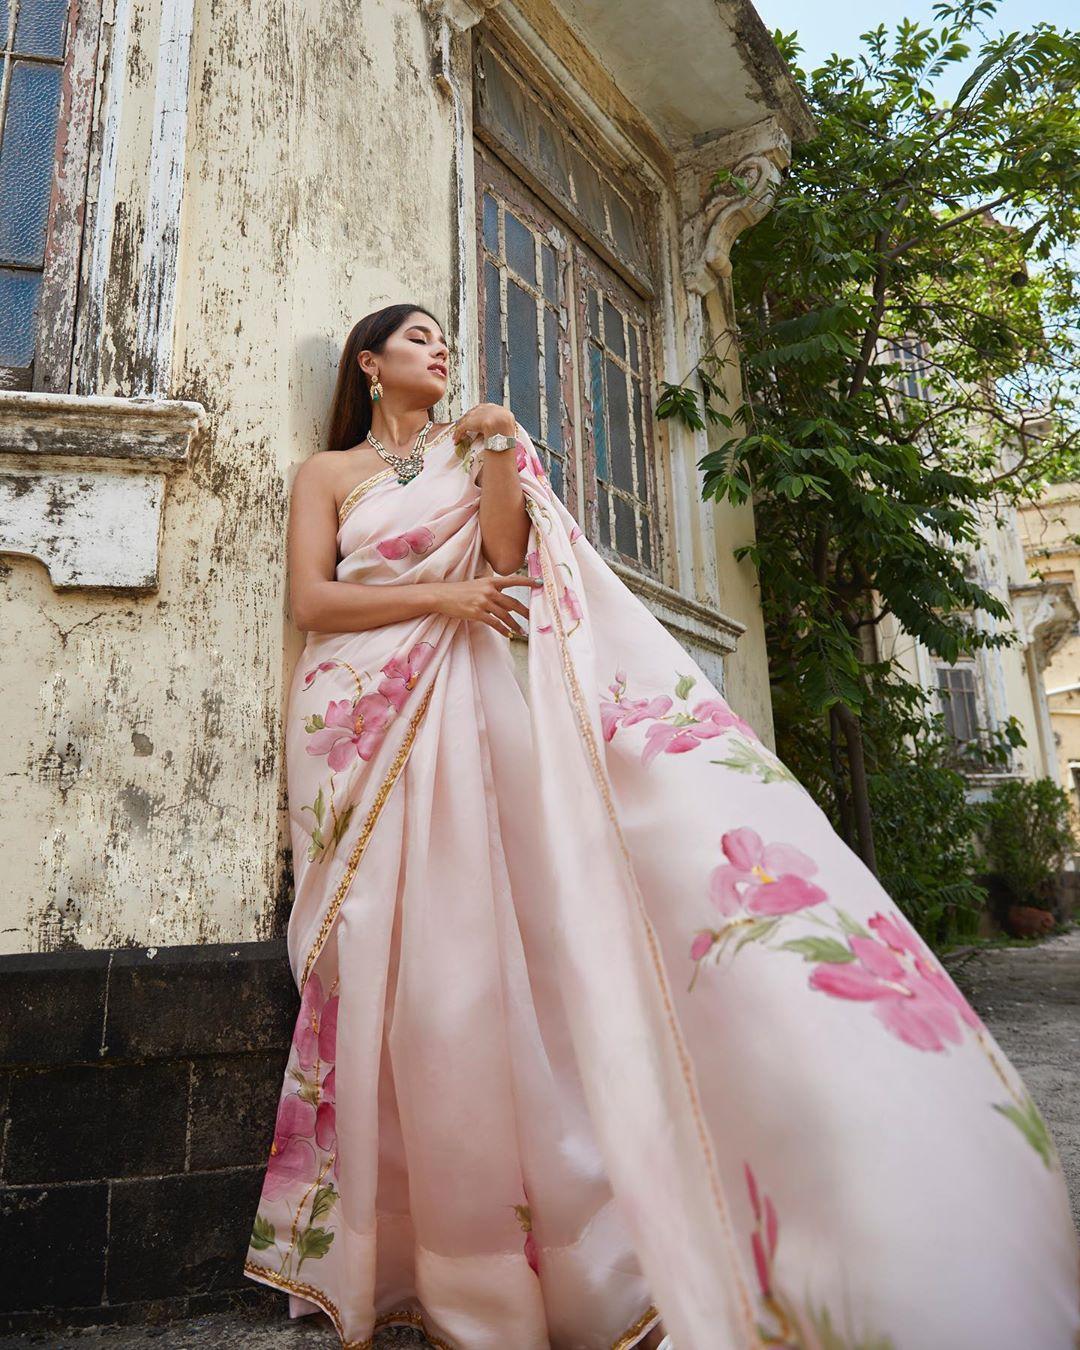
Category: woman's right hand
[483,598]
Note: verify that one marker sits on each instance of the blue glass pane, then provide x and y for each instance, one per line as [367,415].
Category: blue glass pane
[558,479]
[625,534]
[19,293]
[594,314]
[26,162]
[552,391]
[639,432]
[618,427]
[613,329]
[523,351]
[491,224]
[4,16]
[596,373]
[520,248]
[646,546]
[605,525]
[547,258]
[493,348]
[633,346]
[39,29]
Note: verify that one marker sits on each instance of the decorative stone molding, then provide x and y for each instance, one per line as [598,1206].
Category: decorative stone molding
[1045,614]
[461,15]
[82,482]
[688,619]
[713,218]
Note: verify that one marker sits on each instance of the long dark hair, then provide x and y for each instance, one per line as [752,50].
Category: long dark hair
[350,409]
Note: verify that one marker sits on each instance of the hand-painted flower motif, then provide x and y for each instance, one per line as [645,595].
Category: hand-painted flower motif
[532,1251]
[761,878]
[711,717]
[895,970]
[524,456]
[623,711]
[766,1233]
[402,674]
[307,1115]
[349,729]
[670,733]
[397,546]
[316,670]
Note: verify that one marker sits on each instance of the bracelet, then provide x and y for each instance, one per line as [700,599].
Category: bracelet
[500,442]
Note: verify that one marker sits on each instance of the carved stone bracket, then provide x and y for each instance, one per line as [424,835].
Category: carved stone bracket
[82,482]
[713,218]
[1045,614]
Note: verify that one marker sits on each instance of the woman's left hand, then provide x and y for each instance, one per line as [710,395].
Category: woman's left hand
[485,419]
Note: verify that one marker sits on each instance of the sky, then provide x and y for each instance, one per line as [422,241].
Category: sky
[835,25]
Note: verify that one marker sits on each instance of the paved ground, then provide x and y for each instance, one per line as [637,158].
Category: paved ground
[1028,995]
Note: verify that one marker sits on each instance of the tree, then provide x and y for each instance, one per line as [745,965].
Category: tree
[906,314]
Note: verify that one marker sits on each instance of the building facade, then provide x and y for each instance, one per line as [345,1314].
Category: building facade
[1051,538]
[196,203]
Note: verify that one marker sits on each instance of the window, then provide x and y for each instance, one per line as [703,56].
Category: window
[912,357]
[565,291]
[44,126]
[956,690]
[522,360]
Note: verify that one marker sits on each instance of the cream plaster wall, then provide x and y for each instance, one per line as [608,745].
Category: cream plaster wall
[141,753]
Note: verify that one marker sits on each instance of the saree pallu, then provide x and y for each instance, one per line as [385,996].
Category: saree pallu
[624,1028]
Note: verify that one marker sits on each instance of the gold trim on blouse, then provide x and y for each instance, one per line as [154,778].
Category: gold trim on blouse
[359,490]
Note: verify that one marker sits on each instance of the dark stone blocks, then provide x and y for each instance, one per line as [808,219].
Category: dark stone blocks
[234,1101]
[138,1094]
[80,1123]
[52,1245]
[198,1001]
[180,1235]
[52,1007]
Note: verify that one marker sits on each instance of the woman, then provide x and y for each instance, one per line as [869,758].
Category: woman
[622,1025]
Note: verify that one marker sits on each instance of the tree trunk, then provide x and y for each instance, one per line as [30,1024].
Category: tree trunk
[859,793]
[843,800]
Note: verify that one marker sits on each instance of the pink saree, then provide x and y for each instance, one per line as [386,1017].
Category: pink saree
[622,1023]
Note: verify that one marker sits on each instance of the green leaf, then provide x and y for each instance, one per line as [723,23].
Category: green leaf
[685,684]
[325,1198]
[1032,1126]
[850,925]
[313,1242]
[262,1235]
[819,949]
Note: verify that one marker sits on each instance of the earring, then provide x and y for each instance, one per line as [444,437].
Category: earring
[376,389]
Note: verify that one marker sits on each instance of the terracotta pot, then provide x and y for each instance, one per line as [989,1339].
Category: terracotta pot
[1027,921]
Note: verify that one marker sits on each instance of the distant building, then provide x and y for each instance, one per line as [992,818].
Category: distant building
[1050,530]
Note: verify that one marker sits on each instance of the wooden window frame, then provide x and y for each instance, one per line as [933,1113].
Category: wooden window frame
[491,176]
[54,345]
[579,266]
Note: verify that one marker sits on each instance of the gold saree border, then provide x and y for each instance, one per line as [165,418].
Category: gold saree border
[402,1316]
[359,490]
[585,728]
[370,821]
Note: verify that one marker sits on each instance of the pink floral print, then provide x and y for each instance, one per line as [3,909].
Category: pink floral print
[761,878]
[308,1113]
[896,971]
[349,729]
[532,1252]
[784,1327]
[352,728]
[671,733]
[419,540]
[402,674]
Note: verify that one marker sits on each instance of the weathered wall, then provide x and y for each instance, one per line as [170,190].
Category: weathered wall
[1050,530]
[142,756]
